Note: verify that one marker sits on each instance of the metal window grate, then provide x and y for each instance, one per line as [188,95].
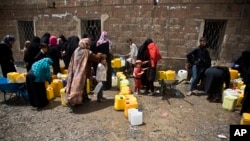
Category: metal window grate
[92,27]
[214,32]
[26,31]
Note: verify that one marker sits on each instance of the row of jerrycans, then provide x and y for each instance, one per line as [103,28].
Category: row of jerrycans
[121,80]
[125,102]
[129,104]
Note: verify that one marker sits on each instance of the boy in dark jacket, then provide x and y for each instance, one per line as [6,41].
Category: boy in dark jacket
[200,60]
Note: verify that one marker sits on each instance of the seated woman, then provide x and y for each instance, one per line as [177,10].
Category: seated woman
[35,81]
[216,76]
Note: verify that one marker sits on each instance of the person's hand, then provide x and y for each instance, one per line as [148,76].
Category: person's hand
[99,54]
[145,62]
[63,53]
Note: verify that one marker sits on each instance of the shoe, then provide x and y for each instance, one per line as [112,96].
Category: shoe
[151,94]
[195,92]
[190,93]
[209,99]
[102,99]
[34,108]
[71,107]
[86,99]
[146,92]
[217,100]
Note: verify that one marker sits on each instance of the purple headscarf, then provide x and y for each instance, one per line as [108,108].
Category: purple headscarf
[103,39]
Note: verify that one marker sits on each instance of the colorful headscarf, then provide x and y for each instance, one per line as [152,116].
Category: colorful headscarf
[41,70]
[103,39]
[84,43]
[53,41]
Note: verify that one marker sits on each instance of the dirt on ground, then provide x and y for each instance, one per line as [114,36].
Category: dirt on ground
[168,117]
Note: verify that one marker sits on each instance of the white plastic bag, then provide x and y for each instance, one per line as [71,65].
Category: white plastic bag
[123,61]
[98,87]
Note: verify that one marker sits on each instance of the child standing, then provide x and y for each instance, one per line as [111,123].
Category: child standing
[101,76]
[138,71]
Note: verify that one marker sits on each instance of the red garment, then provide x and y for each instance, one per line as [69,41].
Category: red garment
[137,84]
[137,77]
[154,54]
[136,72]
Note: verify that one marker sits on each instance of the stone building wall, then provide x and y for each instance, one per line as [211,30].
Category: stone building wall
[175,25]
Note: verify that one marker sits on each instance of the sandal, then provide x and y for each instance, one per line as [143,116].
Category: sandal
[190,93]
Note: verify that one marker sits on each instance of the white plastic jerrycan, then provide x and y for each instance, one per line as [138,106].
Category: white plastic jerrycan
[136,117]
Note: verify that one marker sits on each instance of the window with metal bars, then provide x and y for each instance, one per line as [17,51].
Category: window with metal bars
[26,31]
[214,32]
[92,27]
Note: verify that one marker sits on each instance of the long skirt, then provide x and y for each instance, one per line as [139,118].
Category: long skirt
[36,91]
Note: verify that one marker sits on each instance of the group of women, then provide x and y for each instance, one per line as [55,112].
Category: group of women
[78,59]
[79,56]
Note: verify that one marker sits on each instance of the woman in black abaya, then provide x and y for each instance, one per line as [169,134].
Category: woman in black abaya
[216,76]
[6,56]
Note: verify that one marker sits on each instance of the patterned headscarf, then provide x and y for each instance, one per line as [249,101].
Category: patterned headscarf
[84,43]
[103,39]
[41,70]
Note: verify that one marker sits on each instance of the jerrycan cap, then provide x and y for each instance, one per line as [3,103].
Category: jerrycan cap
[139,109]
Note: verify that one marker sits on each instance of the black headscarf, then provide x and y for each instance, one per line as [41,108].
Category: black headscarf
[85,35]
[72,44]
[63,38]
[45,38]
[7,39]
[142,52]
[32,51]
